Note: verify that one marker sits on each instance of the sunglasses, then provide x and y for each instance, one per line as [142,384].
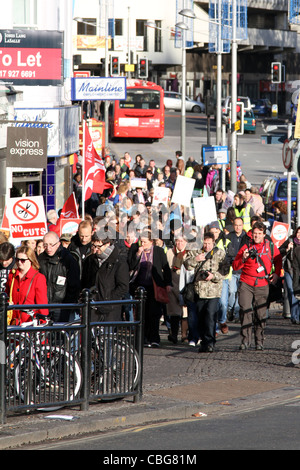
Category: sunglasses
[97,247]
[21,260]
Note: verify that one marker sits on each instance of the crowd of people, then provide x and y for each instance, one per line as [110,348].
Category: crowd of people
[196,279]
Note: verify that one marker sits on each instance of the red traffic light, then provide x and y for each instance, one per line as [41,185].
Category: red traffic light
[238,108]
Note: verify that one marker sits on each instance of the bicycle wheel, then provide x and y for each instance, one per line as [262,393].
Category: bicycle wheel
[53,376]
[122,370]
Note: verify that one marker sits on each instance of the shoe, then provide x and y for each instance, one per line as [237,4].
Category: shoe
[243,347]
[259,347]
[230,315]
[205,349]
[192,343]
[154,345]
[173,339]
[224,328]
[184,340]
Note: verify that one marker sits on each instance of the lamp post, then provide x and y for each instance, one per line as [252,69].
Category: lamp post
[184,28]
[106,64]
[233,140]
[190,14]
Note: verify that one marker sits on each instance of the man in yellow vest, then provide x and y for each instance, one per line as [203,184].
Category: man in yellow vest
[244,210]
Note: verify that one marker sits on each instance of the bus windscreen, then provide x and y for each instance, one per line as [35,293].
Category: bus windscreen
[141,99]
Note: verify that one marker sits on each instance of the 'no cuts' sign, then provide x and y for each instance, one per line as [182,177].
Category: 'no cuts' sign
[27,218]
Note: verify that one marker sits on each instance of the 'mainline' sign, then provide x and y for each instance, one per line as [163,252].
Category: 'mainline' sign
[98,88]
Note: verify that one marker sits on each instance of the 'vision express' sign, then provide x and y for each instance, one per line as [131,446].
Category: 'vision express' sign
[26,147]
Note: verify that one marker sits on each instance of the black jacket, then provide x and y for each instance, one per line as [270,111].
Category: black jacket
[62,276]
[79,251]
[161,271]
[111,280]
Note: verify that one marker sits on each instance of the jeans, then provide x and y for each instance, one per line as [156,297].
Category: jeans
[223,303]
[233,304]
[294,303]
[207,311]
[193,334]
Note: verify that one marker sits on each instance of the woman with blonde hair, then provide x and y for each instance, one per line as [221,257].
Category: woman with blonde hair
[26,285]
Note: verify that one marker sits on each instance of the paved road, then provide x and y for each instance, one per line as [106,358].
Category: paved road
[267,428]
[258,160]
[179,383]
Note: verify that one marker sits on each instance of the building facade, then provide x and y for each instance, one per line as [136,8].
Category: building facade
[43,91]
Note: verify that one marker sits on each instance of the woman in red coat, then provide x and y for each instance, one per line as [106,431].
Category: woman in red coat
[26,285]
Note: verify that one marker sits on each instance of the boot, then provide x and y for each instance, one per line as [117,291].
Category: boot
[184,330]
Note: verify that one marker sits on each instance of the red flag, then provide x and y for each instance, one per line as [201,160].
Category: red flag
[94,169]
[70,209]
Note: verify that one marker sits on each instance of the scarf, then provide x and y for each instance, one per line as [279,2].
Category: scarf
[103,256]
[296,241]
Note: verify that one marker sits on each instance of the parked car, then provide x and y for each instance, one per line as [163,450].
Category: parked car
[244,99]
[249,122]
[172,100]
[262,107]
[274,188]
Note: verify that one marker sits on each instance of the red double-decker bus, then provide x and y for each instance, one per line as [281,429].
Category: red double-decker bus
[141,115]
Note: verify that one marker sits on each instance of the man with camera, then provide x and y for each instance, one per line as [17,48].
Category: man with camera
[208,276]
[261,264]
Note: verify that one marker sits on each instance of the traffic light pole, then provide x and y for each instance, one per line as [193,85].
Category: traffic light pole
[106,74]
[233,143]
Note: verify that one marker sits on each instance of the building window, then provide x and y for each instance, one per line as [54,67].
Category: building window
[118,27]
[88,27]
[141,31]
[157,37]
[25,12]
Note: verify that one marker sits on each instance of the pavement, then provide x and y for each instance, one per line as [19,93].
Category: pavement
[180,383]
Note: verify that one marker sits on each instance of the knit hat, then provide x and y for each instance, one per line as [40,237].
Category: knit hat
[214,225]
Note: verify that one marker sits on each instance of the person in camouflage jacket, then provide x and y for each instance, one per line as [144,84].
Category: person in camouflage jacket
[210,269]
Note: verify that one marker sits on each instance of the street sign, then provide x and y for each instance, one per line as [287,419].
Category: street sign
[287,155]
[216,154]
[297,123]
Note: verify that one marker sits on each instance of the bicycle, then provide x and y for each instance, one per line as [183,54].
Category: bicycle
[40,371]
[116,364]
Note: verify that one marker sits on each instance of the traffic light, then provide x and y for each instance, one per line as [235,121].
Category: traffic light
[115,66]
[143,68]
[276,72]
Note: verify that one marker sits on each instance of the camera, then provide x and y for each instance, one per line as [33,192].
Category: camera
[202,275]
[252,253]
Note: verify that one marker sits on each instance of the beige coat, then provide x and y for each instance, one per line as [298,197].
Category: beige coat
[207,289]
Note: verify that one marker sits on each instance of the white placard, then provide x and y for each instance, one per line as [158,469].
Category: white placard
[229,200]
[27,217]
[183,190]
[138,183]
[160,196]
[205,210]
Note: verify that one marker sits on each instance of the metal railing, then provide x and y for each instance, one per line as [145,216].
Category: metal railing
[48,365]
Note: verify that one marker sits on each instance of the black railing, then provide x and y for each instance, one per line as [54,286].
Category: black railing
[47,365]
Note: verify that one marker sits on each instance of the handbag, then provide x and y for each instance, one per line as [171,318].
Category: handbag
[10,312]
[160,293]
[188,292]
